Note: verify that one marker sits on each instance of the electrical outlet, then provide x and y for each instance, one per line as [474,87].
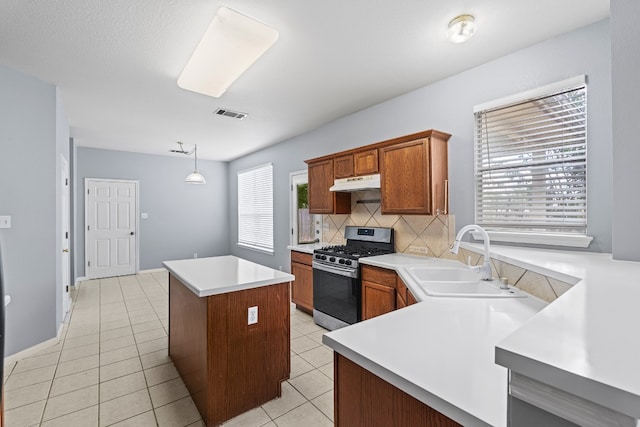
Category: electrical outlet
[418,249]
[195,254]
[5,221]
[253,315]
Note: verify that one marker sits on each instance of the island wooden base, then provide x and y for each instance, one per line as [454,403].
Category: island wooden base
[228,366]
[363,399]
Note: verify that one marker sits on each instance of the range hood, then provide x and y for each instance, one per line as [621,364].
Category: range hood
[357,183]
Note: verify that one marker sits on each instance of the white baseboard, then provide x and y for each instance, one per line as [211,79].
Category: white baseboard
[80,279]
[34,349]
[152,270]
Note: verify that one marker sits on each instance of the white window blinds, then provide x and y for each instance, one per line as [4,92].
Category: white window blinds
[531,163]
[255,208]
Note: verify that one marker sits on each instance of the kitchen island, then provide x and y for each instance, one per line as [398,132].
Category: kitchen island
[229,333]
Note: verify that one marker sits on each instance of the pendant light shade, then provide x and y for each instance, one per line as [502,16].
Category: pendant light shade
[195,177]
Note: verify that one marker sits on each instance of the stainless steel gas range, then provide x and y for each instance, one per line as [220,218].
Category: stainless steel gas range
[337,278]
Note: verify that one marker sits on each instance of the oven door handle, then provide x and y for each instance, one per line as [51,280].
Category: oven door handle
[352,273]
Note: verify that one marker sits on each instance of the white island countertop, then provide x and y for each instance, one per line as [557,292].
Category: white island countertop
[440,351]
[219,275]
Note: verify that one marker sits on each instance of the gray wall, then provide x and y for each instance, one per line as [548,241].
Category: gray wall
[625,40]
[183,219]
[448,106]
[28,193]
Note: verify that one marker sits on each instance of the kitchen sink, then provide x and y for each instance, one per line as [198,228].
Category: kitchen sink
[477,289]
[463,274]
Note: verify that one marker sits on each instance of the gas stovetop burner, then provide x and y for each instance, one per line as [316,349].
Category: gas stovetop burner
[361,242]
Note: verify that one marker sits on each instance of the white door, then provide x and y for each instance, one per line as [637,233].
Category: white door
[110,215]
[65,226]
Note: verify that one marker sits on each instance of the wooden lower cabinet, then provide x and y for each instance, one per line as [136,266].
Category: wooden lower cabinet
[228,366]
[377,299]
[378,291]
[302,287]
[363,399]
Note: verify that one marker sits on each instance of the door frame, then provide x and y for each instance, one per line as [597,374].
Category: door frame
[136,184]
[293,210]
[65,220]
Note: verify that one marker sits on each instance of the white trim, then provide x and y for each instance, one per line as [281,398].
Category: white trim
[532,93]
[255,248]
[570,240]
[136,183]
[34,349]
[80,279]
[152,270]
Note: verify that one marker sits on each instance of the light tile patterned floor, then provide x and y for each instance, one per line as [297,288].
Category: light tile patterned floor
[111,368]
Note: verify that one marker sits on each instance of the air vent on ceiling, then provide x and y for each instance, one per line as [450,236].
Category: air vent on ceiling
[229,113]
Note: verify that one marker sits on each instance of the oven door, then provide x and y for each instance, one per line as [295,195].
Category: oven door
[336,293]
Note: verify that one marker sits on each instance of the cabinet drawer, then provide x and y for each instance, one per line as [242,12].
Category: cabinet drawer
[301,257]
[379,275]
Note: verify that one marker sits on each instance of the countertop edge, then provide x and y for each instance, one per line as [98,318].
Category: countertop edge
[285,277]
[406,386]
[618,400]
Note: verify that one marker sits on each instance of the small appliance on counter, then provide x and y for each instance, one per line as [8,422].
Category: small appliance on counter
[336,275]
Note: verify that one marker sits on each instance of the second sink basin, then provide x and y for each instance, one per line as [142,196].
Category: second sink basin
[444,274]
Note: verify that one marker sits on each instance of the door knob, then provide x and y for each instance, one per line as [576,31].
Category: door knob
[132,233]
[65,250]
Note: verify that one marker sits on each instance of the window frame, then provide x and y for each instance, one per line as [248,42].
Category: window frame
[553,238]
[255,244]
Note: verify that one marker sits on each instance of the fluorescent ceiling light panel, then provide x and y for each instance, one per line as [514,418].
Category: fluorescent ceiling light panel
[231,44]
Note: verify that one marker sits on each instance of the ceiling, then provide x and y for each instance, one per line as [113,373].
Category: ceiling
[116,62]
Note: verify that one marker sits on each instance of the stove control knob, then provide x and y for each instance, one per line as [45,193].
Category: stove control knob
[323,257]
[332,259]
[318,256]
[342,261]
[348,262]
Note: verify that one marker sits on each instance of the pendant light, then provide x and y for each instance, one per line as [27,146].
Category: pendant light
[195,177]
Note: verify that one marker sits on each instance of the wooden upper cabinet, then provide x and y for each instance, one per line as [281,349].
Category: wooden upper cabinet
[343,166]
[365,162]
[413,170]
[321,200]
[413,177]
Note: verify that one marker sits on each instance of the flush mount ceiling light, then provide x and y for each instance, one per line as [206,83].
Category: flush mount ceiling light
[461,28]
[231,44]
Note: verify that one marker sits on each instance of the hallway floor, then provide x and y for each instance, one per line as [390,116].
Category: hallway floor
[111,368]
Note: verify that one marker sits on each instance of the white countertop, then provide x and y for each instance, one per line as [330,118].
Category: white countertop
[440,351]
[307,248]
[219,275]
[587,342]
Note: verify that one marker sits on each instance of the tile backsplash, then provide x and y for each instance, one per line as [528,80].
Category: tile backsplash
[429,235]
[432,235]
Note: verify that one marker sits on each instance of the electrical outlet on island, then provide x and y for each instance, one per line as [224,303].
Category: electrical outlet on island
[253,315]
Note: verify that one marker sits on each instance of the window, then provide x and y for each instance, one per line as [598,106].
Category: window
[531,165]
[255,208]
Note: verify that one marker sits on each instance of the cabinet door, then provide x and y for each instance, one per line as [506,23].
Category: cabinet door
[302,287]
[343,166]
[366,162]
[320,179]
[377,299]
[405,186]
[321,200]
